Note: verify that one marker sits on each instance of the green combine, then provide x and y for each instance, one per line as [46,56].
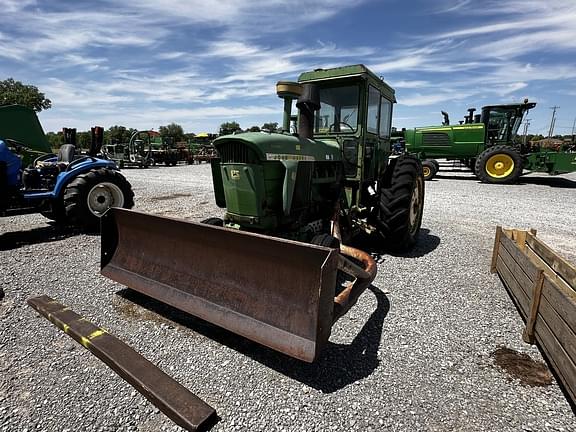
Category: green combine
[278,267]
[488,144]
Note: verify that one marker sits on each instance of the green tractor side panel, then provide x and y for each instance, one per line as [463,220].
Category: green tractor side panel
[551,162]
[21,124]
[458,141]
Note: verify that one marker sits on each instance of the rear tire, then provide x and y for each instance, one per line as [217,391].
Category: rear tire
[401,204]
[429,170]
[89,195]
[499,164]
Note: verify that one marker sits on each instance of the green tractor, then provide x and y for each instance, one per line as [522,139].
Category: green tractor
[278,267]
[488,144]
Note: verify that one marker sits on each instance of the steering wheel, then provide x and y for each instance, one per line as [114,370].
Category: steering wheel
[333,125]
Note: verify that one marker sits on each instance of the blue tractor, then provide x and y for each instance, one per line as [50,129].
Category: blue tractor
[69,188]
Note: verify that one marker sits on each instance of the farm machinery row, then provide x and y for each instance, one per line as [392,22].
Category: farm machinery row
[146,148]
[488,144]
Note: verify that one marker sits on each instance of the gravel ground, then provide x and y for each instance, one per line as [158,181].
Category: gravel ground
[413,354]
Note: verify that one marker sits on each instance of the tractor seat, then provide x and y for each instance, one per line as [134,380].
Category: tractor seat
[66,153]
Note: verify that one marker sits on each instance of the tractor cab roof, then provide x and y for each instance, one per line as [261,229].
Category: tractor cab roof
[353,71]
[526,105]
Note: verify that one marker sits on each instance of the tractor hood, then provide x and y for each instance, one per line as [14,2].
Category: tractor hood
[261,146]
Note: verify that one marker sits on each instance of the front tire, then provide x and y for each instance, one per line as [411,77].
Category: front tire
[214,221]
[429,169]
[89,195]
[499,164]
[401,204]
[326,240]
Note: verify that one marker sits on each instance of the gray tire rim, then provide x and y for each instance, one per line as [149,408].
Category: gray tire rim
[103,196]
[415,204]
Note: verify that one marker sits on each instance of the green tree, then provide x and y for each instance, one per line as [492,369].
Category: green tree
[118,134]
[272,127]
[83,140]
[55,139]
[14,92]
[253,129]
[229,128]
[172,130]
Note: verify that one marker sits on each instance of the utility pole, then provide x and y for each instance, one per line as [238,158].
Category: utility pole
[526,125]
[553,121]
[573,136]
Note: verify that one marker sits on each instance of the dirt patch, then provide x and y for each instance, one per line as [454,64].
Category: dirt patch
[124,304]
[171,196]
[521,366]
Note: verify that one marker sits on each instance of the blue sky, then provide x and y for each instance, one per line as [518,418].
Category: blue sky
[199,63]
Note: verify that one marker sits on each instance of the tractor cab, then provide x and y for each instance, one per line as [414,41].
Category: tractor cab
[502,121]
[355,112]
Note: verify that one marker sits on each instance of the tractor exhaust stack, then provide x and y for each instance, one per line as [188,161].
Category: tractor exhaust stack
[308,103]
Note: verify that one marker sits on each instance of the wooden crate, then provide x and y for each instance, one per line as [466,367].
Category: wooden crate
[543,286]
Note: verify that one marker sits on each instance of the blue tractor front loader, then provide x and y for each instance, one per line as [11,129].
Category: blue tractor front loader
[68,188]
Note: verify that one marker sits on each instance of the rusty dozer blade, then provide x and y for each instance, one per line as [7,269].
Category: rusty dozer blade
[277,292]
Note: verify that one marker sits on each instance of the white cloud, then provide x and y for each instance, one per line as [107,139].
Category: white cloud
[417,99]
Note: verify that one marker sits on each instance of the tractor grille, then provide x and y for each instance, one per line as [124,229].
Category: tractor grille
[237,152]
[435,139]
[301,195]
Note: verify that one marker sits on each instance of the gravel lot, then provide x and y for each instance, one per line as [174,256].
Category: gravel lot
[414,354]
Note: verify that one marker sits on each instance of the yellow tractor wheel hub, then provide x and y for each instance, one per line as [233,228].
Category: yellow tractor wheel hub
[500,166]
[426,171]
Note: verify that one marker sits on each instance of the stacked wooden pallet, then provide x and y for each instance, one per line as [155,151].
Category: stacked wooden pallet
[543,286]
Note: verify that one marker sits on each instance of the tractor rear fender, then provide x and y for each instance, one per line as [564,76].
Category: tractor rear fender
[76,168]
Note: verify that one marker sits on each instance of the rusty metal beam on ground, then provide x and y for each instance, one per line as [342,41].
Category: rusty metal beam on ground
[173,399]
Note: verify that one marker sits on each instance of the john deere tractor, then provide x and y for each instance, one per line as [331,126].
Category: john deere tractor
[67,187]
[488,144]
[270,268]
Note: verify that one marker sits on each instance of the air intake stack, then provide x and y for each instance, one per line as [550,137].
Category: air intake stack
[288,91]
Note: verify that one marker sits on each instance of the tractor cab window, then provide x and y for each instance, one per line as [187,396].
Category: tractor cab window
[373,110]
[385,117]
[503,124]
[338,110]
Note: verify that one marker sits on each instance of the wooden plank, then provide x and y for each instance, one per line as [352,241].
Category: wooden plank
[565,269]
[513,287]
[558,358]
[550,272]
[520,238]
[525,283]
[496,247]
[563,302]
[558,327]
[528,266]
[528,335]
